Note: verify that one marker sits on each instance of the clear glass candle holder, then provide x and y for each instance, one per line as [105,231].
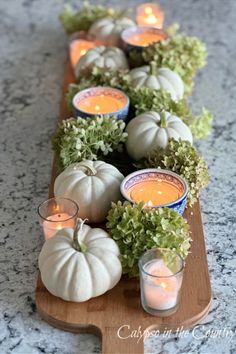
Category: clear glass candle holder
[150,15]
[56,214]
[161,274]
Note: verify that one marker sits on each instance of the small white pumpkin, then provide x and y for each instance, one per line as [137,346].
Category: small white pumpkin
[151,130]
[93,185]
[107,31]
[102,57]
[79,264]
[162,78]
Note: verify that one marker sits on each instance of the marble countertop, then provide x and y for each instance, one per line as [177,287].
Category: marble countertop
[33,49]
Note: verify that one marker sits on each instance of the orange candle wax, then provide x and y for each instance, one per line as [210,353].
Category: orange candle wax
[55,223]
[154,192]
[100,104]
[145,39]
[150,14]
[78,48]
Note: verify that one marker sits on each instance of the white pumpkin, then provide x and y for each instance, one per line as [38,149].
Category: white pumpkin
[102,57]
[162,78]
[93,185]
[151,130]
[107,31]
[81,264]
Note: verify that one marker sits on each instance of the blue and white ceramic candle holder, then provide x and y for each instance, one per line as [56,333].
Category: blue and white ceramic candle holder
[157,188]
[139,37]
[101,101]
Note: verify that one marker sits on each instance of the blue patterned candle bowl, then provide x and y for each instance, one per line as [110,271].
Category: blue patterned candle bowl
[156,188]
[101,100]
[139,37]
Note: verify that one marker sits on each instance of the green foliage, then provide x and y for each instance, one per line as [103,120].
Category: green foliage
[182,158]
[137,230]
[183,54]
[81,20]
[78,139]
[200,125]
[145,99]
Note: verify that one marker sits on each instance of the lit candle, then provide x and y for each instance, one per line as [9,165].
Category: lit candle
[156,187]
[78,48]
[160,287]
[161,274]
[140,37]
[150,14]
[101,101]
[56,214]
[155,192]
[55,223]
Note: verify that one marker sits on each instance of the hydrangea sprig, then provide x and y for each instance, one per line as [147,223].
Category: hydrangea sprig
[81,20]
[182,158]
[78,139]
[180,53]
[136,229]
[145,99]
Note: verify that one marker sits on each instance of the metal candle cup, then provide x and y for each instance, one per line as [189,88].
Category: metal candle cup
[101,101]
[156,188]
[56,214]
[161,274]
[150,14]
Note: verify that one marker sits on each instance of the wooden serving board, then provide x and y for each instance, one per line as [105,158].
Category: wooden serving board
[118,312]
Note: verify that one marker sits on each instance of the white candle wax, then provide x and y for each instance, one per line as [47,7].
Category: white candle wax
[55,223]
[160,293]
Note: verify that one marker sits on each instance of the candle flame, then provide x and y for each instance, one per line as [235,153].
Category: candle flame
[59,227]
[97,108]
[83,51]
[151,19]
[148,10]
[57,208]
[163,285]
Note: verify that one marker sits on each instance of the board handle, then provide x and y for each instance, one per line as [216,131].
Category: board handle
[113,342]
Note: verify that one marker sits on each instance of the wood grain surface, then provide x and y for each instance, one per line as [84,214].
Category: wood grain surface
[114,315]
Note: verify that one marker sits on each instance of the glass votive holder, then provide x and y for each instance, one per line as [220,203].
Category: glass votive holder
[161,274]
[56,214]
[150,14]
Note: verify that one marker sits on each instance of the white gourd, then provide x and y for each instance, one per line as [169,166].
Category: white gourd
[151,130]
[81,264]
[107,31]
[154,78]
[103,57]
[93,185]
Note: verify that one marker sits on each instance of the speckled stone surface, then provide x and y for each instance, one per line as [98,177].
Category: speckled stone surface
[32,52]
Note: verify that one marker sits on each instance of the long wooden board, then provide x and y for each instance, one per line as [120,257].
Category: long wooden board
[114,315]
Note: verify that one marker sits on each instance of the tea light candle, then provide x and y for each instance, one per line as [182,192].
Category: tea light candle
[161,274]
[140,37]
[161,287]
[150,14]
[101,101]
[56,214]
[55,223]
[78,48]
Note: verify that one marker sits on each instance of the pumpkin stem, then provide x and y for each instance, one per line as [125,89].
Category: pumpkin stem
[78,227]
[90,170]
[163,120]
[153,68]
